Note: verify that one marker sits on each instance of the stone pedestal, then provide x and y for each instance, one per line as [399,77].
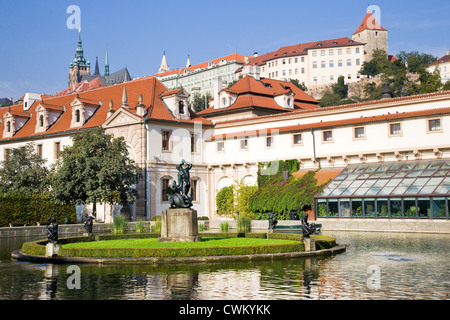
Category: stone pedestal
[179,225]
[51,249]
[310,244]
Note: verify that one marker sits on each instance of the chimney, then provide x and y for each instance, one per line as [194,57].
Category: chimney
[140,108]
[448,52]
[217,89]
[252,71]
[255,54]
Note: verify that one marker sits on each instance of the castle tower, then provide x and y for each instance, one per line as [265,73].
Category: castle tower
[164,67]
[372,34]
[78,67]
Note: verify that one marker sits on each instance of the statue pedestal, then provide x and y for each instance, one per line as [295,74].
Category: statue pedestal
[310,244]
[179,225]
[51,249]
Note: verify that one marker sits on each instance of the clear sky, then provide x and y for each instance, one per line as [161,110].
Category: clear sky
[36,46]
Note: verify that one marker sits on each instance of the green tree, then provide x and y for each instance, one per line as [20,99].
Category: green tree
[200,101]
[95,169]
[225,201]
[23,172]
[416,62]
[297,83]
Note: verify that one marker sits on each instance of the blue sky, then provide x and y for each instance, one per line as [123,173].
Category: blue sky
[37,47]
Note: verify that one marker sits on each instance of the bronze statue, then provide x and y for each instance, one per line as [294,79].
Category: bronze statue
[307,228]
[52,230]
[272,221]
[180,194]
[89,223]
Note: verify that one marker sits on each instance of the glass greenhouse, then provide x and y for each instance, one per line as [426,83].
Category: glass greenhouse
[412,189]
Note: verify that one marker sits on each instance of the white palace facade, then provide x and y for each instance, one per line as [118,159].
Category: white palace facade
[256,120]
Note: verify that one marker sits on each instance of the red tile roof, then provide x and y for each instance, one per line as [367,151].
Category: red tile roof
[444,59]
[301,49]
[369,22]
[150,88]
[260,93]
[334,123]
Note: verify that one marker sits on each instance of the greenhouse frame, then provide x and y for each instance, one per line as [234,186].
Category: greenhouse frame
[411,189]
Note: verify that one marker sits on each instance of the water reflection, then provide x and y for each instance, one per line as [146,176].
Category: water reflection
[410,267]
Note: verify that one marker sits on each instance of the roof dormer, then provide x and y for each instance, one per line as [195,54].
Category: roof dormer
[82,111]
[226,98]
[177,102]
[285,99]
[46,116]
[14,121]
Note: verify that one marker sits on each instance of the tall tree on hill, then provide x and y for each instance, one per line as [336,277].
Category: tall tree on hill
[95,169]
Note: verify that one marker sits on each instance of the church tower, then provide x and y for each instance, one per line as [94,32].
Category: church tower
[79,66]
[372,34]
[106,64]
[164,67]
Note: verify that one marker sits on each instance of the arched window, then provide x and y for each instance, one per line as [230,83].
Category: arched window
[8,126]
[181,107]
[41,120]
[77,116]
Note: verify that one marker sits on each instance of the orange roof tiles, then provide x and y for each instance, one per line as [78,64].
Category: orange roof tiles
[260,93]
[334,123]
[322,176]
[301,49]
[369,22]
[150,88]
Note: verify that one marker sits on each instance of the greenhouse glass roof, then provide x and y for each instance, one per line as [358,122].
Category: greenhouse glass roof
[395,179]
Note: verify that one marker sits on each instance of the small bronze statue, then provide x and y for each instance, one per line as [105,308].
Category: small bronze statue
[180,194]
[52,230]
[88,224]
[272,221]
[307,228]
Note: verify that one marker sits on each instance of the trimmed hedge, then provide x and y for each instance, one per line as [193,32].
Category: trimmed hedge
[29,210]
[38,247]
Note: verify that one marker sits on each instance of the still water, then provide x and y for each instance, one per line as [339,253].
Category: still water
[375,266]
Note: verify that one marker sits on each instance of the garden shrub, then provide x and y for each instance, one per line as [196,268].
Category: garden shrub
[15,208]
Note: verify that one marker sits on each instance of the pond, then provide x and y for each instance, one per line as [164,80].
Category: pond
[375,266]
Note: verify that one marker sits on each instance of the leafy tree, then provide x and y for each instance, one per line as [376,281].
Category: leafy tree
[200,101]
[297,83]
[446,86]
[23,172]
[225,201]
[335,96]
[416,62]
[95,169]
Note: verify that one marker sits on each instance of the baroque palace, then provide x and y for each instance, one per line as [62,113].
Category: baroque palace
[384,157]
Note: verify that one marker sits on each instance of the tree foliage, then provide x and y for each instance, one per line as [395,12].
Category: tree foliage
[23,172]
[95,169]
[416,62]
[199,101]
[297,83]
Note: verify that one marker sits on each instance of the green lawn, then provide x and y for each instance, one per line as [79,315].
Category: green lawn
[153,243]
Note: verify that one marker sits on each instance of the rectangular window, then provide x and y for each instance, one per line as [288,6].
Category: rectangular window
[193,143]
[303,59]
[221,146]
[314,53]
[327,136]
[39,150]
[297,139]
[358,62]
[303,70]
[166,140]
[322,64]
[339,63]
[349,62]
[296,60]
[322,52]
[349,50]
[331,63]
[395,129]
[194,190]
[331,78]
[331,52]
[434,125]
[359,133]
[164,186]
[244,144]
[269,142]
[296,71]
[339,51]
[314,64]
[356,50]
[57,149]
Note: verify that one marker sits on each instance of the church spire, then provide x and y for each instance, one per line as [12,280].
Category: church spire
[106,64]
[96,71]
[188,63]
[164,67]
